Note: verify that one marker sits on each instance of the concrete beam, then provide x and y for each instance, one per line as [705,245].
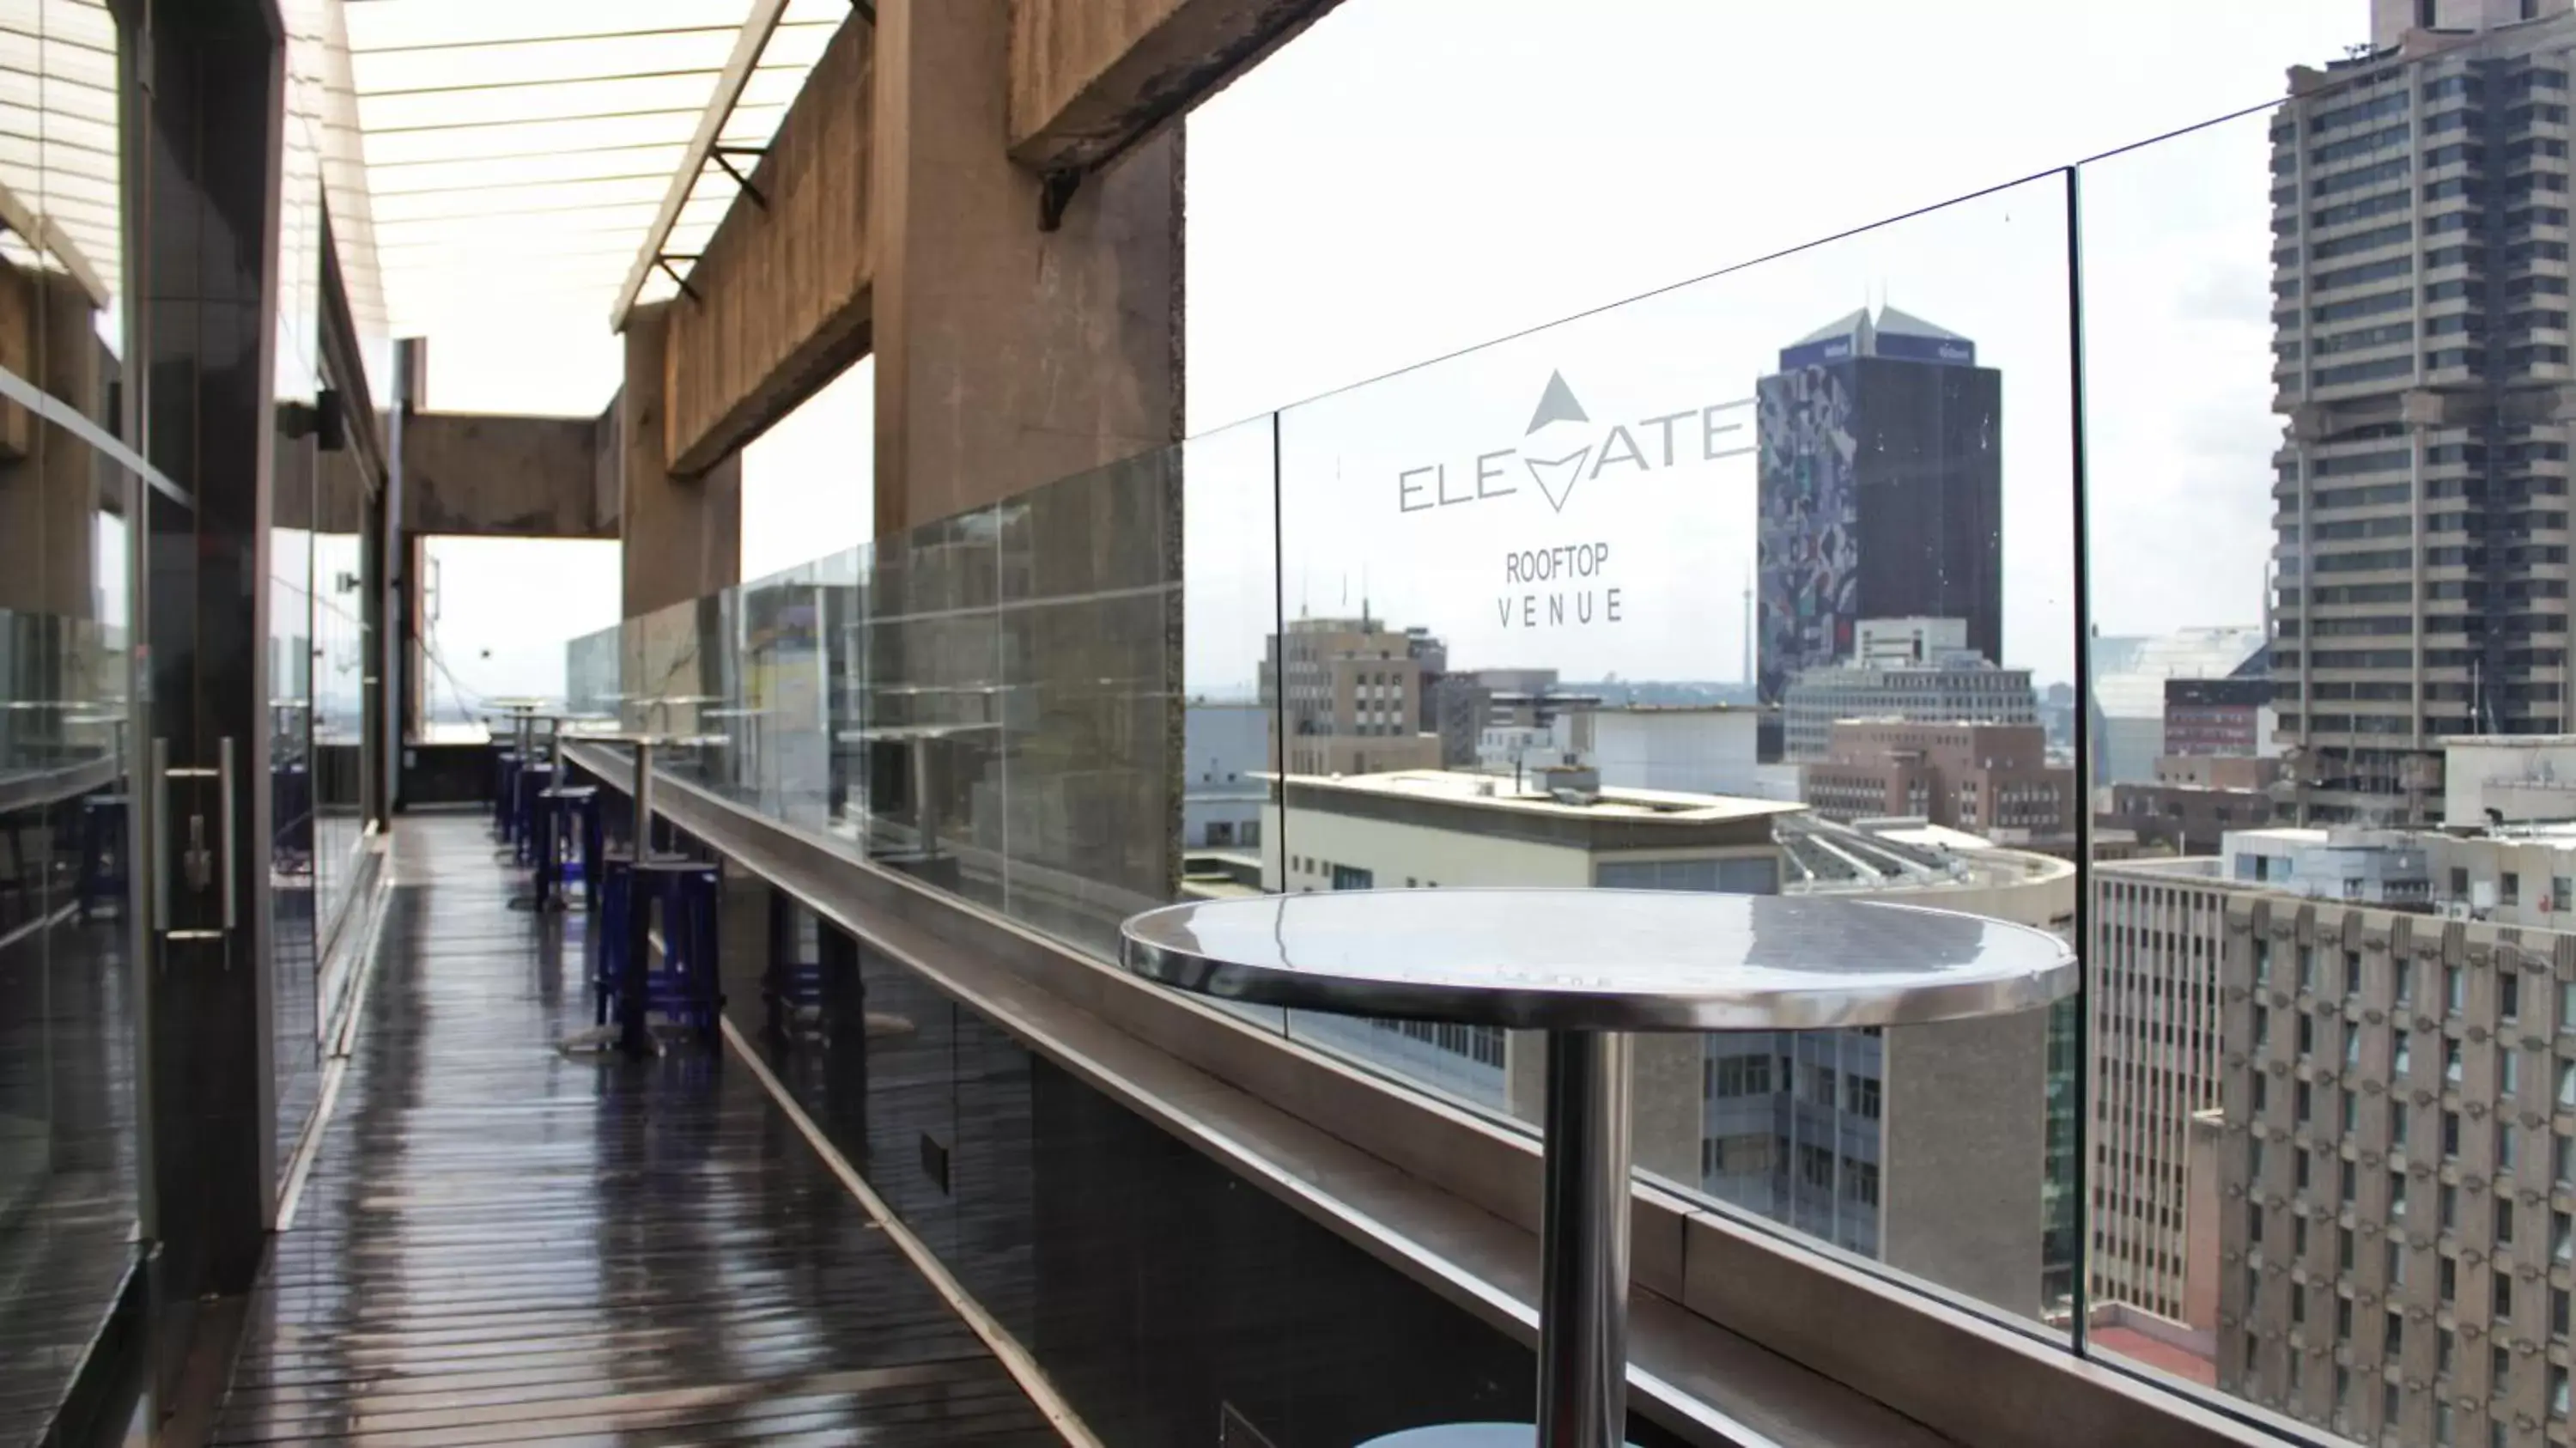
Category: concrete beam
[498,476]
[1007,356]
[780,298]
[1090,79]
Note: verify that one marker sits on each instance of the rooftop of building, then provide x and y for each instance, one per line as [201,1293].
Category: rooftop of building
[1598,707]
[1947,662]
[1900,721]
[1822,856]
[1889,321]
[2206,868]
[2510,741]
[1495,792]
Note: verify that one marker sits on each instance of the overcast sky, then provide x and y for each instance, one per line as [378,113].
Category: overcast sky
[1414,177]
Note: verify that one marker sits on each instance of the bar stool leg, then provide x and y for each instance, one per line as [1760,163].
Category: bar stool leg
[594,855]
[634,1037]
[546,854]
[1583,1304]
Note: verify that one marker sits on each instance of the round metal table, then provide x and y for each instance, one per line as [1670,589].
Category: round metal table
[1589,967]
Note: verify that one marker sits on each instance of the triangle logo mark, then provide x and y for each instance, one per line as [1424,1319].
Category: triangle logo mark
[1556,404]
[1556,476]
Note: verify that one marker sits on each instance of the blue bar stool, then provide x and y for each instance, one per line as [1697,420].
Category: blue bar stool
[590,848]
[791,989]
[533,781]
[103,855]
[561,836]
[685,989]
[613,910]
[678,896]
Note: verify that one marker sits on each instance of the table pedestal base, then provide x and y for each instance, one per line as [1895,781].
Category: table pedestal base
[1583,1232]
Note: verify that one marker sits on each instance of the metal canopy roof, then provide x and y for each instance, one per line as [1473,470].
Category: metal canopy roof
[522,155]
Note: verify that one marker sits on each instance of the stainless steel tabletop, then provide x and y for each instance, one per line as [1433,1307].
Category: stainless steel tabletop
[1607,960]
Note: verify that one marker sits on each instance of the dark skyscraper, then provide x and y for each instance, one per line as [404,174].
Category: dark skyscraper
[1881,489]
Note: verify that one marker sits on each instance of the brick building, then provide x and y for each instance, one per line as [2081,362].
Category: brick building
[1989,779]
[2194,800]
[2215,716]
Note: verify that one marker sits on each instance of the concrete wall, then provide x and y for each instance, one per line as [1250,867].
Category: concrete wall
[1400,852]
[782,301]
[501,476]
[1963,1156]
[1692,751]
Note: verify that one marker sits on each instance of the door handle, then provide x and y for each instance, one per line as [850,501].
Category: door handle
[195,862]
[232,833]
[159,846]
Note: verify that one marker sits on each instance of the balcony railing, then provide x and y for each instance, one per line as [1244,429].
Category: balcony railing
[990,730]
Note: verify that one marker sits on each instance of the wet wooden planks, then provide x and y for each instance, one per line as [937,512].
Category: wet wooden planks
[500,1243]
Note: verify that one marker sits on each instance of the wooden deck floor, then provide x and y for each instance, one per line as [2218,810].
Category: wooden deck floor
[500,1243]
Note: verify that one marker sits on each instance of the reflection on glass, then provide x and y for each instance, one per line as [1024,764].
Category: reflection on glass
[295,867]
[67,1009]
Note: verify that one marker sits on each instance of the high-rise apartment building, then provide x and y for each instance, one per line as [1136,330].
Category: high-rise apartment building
[2390,20]
[2420,294]
[1348,692]
[1880,483]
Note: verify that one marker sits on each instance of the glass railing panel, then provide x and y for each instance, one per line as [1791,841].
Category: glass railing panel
[2328,1151]
[782,750]
[706,716]
[1229,582]
[664,670]
[845,579]
[1091,716]
[1551,607]
[929,785]
[2177,240]
[591,664]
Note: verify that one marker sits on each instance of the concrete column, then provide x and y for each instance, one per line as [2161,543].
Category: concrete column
[1007,355]
[683,536]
